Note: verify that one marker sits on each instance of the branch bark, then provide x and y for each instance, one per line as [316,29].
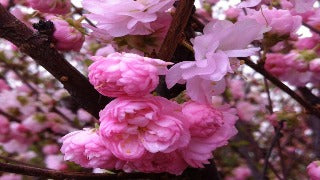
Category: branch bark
[177,27]
[54,174]
[40,49]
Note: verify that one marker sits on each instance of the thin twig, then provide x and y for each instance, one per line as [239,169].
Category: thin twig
[282,86]
[273,143]
[54,174]
[311,28]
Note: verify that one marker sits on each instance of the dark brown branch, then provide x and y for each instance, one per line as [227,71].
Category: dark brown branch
[311,28]
[282,86]
[41,50]
[175,33]
[313,121]
[54,174]
[273,143]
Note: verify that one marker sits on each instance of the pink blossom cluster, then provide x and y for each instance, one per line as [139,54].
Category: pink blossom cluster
[126,17]
[142,132]
[281,22]
[125,74]
[216,56]
[297,69]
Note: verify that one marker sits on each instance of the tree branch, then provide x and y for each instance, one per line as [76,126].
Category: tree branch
[311,28]
[177,27]
[273,143]
[54,174]
[282,86]
[40,49]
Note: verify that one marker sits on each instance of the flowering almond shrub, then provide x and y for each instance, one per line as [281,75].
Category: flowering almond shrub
[159,89]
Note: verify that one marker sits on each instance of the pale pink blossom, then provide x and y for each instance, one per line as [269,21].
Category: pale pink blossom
[237,88]
[313,170]
[55,162]
[282,22]
[4,3]
[246,110]
[289,67]
[99,156]
[221,40]
[15,146]
[241,173]
[85,148]
[308,43]
[210,128]
[50,149]
[125,74]
[126,17]
[278,64]
[67,37]
[51,6]
[36,123]
[315,65]
[11,177]
[133,126]
[302,6]
[84,116]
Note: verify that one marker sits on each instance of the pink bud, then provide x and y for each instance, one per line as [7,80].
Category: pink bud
[67,37]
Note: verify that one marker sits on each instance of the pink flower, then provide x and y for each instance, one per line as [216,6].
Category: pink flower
[36,123]
[51,6]
[307,43]
[50,149]
[237,88]
[11,177]
[160,162]
[126,17]
[133,126]
[313,170]
[85,148]
[204,77]
[246,110]
[241,173]
[55,162]
[125,74]
[282,22]
[289,67]
[99,156]
[315,65]
[278,64]
[302,6]
[210,128]
[4,3]
[84,116]
[67,37]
